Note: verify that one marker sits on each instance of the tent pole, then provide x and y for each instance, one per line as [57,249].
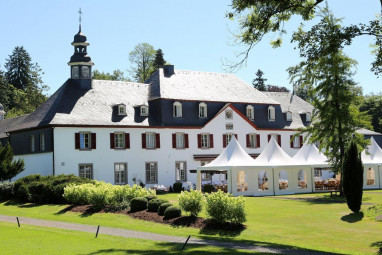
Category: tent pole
[312,178]
[274,187]
[198,180]
[379,175]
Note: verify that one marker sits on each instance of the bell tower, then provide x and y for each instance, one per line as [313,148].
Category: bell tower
[80,62]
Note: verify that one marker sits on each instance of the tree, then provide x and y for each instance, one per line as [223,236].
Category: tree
[353,177]
[5,88]
[259,82]
[274,88]
[142,58]
[327,74]
[117,75]
[159,61]
[8,167]
[260,17]
[372,105]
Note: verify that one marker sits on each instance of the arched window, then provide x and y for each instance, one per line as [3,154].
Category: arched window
[302,179]
[308,117]
[202,110]
[263,181]
[250,112]
[241,182]
[85,72]
[177,109]
[271,113]
[289,116]
[370,177]
[283,180]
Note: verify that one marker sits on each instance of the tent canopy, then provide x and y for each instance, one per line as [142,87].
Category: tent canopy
[310,155]
[372,154]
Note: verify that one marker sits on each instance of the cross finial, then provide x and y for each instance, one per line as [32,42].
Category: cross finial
[80,12]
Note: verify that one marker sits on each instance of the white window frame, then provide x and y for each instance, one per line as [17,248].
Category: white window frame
[271,113]
[228,137]
[121,109]
[151,171]
[289,116]
[308,117]
[32,143]
[119,140]
[296,142]
[180,141]
[85,137]
[317,172]
[120,176]
[150,140]
[42,142]
[252,140]
[205,140]
[144,110]
[202,110]
[85,172]
[250,112]
[177,109]
[180,171]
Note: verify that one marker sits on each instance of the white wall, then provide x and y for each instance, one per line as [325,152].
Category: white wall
[41,163]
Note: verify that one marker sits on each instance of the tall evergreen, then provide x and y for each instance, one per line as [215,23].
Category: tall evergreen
[8,167]
[259,82]
[5,95]
[353,177]
[159,61]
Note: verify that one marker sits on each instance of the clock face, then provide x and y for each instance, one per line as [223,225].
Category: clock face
[228,114]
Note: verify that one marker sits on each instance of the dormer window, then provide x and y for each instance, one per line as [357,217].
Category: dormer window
[75,72]
[177,109]
[121,109]
[202,110]
[85,72]
[271,113]
[289,116]
[250,112]
[144,110]
[308,117]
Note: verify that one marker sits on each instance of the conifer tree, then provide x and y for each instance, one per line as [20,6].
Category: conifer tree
[8,167]
[159,61]
[259,82]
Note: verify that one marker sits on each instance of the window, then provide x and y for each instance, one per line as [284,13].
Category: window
[227,138]
[296,141]
[308,117]
[75,72]
[228,114]
[151,172]
[150,140]
[271,113]
[42,142]
[121,109]
[202,110]
[177,109]
[289,116]
[85,140]
[180,171]
[144,110]
[86,171]
[250,112]
[119,140]
[205,141]
[277,138]
[31,143]
[241,184]
[179,140]
[120,173]
[283,180]
[317,172]
[85,72]
[370,177]
[263,181]
[302,179]
[253,141]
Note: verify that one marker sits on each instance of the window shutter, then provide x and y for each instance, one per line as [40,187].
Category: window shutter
[291,141]
[127,140]
[224,140]
[301,140]
[157,140]
[211,140]
[199,141]
[247,139]
[94,141]
[235,136]
[112,141]
[77,140]
[186,140]
[258,141]
[279,140]
[269,137]
[143,140]
[174,140]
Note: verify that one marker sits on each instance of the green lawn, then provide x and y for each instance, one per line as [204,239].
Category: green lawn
[311,221]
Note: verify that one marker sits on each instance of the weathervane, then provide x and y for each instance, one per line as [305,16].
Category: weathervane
[80,12]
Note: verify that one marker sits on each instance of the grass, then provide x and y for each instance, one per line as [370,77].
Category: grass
[310,221]
[374,212]
[41,240]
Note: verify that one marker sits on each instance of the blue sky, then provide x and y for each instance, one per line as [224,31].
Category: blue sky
[194,35]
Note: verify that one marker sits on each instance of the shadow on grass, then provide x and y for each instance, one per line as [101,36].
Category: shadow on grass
[378,245]
[353,217]
[223,230]
[65,210]
[21,204]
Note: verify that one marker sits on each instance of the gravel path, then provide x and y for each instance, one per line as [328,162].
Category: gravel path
[150,236]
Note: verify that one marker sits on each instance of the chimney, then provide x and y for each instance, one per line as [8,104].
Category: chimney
[168,70]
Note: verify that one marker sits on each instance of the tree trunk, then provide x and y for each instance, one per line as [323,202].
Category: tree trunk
[340,138]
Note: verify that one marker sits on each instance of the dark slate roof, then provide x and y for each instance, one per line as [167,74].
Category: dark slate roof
[204,86]
[10,123]
[293,103]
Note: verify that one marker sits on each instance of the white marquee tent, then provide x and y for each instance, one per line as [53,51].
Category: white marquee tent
[372,162]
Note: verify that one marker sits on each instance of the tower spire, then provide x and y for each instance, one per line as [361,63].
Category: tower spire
[80,14]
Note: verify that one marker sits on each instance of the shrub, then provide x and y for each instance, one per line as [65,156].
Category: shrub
[138,204]
[162,208]
[150,197]
[223,207]
[6,190]
[208,188]
[177,187]
[154,204]
[191,201]
[172,212]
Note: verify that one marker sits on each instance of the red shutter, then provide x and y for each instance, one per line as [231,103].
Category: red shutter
[301,140]
[157,140]
[247,139]
[199,141]
[258,141]
[94,141]
[279,140]
[77,140]
[112,141]
[174,140]
[224,140]
[211,140]
[143,140]
[269,137]
[291,141]
[235,136]
[186,140]
[127,141]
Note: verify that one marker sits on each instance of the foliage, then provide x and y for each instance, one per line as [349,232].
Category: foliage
[177,187]
[191,202]
[162,208]
[6,89]
[150,197]
[353,177]
[117,75]
[154,204]
[159,61]
[142,58]
[274,88]
[223,207]
[8,167]
[138,204]
[7,190]
[260,17]
[327,73]
[172,212]
[372,105]
[259,82]
[208,188]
